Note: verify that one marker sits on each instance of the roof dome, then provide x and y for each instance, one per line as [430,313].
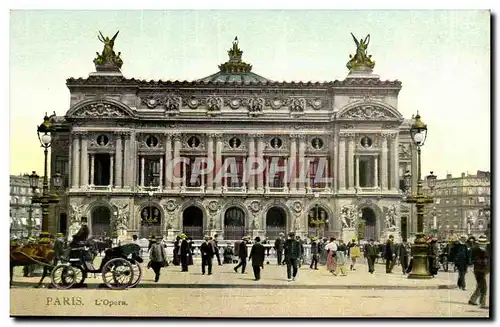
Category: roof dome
[234,70]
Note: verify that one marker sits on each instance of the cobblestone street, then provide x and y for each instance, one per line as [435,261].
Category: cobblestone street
[359,294]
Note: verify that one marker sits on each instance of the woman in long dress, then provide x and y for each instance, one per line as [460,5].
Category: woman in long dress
[331,263]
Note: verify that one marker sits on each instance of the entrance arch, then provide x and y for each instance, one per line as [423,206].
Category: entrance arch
[234,224]
[318,213]
[101,222]
[275,222]
[150,222]
[192,222]
[370,219]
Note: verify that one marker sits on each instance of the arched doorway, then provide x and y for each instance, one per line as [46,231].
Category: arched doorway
[234,224]
[318,221]
[150,222]
[275,222]
[370,220]
[101,222]
[192,222]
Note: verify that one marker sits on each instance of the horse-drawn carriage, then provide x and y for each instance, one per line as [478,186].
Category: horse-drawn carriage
[120,268]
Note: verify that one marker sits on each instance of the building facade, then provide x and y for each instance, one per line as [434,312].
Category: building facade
[459,205]
[234,154]
[20,206]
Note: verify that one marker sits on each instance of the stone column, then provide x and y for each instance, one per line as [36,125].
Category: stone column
[161,173]
[327,172]
[357,171]
[75,160]
[341,165]
[111,169]
[260,155]
[285,174]
[84,175]
[143,163]
[118,158]
[394,162]
[210,158]
[267,175]
[251,154]
[168,161]
[375,173]
[218,161]
[383,158]
[92,169]
[302,162]
[292,163]
[177,153]
[127,161]
[350,162]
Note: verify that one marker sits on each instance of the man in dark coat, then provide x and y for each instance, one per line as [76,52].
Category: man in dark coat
[184,252]
[82,235]
[177,244]
[216,249]
[389,255]
[257,255]
[371,253]
[242,253]
[278,247]
[207,253]
[292,255]
[314,253]
[58,248]
[158,257]
[481,257]
[461,254]
[404,255]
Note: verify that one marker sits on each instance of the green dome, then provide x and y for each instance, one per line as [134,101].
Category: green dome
[234,70]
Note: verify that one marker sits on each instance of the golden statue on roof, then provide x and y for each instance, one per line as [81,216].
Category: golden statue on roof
[108,58]
[361,58]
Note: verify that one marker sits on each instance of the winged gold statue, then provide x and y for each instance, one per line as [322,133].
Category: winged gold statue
[361,58]
[108,57]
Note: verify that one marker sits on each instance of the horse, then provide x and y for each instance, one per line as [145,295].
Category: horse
[28,254]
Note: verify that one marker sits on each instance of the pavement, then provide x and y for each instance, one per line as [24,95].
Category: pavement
[229,294]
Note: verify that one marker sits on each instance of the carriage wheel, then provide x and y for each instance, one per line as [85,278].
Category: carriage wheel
[80,276]
[137,274]
[63,276]
[118,274]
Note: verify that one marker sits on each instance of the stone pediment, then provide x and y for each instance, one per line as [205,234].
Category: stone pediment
[100,109]
[369,110]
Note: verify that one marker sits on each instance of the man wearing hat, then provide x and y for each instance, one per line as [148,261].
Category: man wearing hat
[278,247]
[184,252]
[314,253]
[292,255]
[58,247]
[389,255]
[257,255]
[158,257]
[207,253]
[481,258]
[242,253]
[82,234]
[461,255]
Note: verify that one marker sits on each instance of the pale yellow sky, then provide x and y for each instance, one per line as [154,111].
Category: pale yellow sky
[441,57]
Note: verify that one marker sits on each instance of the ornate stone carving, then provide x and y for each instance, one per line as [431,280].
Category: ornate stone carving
[122,217]
[296,223]
[214,105]
[315,103]
[255,106]
[404,151]
[297,105]
[297,206]
[76,213]
[255,206]
[171,206]
[365,112]
[349,216]
[192,102]
[100,110]
[172,105]
[348,126]
[276,102]
[390,218]
[213,207]
[234,103]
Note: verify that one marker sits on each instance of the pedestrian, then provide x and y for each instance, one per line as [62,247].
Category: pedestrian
[323,253]
[177,245]
[481,259]
[371,255]
[58,248]
[314,253]
[257,255]
[216,249]
[301,244]
[292,255]
[403,255]
[389,255]
[331,262]
[354,252]
[207,253]
[184,253]
[340,257]
[228,253]
[433,257]
[190,252]
[461,254]
[278,248]
[157,257]
[242,253]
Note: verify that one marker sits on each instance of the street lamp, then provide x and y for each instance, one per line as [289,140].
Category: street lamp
[420,249]
[44,132]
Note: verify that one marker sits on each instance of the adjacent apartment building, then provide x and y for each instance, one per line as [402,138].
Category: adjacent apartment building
[20,205]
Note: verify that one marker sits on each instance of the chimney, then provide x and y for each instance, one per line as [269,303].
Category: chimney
[448,176]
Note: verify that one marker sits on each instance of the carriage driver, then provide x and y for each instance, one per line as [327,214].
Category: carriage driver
[82,234]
